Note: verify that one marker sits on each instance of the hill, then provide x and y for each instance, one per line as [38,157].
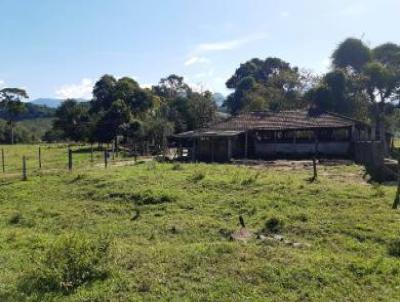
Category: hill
[26,131]
[161,232]
[32,111]
[49,102]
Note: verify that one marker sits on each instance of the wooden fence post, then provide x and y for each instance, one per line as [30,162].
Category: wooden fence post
[91,153]
[69,159]
[397,197]
[40,157]
[2,161]
[24,176]
[314,160]
[105,159]
[315,175]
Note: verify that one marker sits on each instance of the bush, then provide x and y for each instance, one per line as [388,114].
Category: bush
[394,248]
[273,225]
[65,265]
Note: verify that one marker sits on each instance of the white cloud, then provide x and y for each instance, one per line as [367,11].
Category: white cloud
[228,44]
[2,83]
[196,56]
[196,60]
[82,90]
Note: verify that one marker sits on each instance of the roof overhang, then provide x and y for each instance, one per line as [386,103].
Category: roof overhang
[208,133]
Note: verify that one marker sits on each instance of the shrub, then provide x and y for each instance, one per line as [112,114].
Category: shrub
[273,225]
[394,248]
[65,265]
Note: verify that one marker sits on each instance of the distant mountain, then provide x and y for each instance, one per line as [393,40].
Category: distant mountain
[52,103]
[32,111]
[218,98]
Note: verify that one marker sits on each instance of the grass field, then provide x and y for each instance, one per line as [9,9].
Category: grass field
[160,232]
[54,157]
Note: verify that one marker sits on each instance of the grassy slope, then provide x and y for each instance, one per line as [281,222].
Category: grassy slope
[176,250]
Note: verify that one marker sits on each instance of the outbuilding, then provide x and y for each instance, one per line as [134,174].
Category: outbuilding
[283,134]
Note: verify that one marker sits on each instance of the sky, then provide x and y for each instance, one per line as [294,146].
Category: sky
[58,48]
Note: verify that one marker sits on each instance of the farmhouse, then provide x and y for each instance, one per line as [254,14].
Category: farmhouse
[284,134]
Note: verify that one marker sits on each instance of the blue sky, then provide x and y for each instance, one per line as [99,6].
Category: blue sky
[57,48]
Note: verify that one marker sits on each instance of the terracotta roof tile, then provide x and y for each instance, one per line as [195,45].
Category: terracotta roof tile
[282,120]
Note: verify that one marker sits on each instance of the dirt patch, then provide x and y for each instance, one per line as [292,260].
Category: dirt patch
[326,168]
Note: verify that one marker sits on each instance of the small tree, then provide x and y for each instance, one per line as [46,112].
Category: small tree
[10,100]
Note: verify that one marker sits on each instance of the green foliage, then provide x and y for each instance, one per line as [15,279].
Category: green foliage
[351,53]
[72,118]
[66,264]
[270,84]
[26,131]
[31,111]
[338,92]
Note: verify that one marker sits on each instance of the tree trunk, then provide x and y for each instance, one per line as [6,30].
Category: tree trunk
[381,127]
[382,137]
[12,135]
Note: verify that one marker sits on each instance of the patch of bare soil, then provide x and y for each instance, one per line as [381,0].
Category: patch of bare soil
[329,168]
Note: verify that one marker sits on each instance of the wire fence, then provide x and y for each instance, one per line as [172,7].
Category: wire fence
[24,161]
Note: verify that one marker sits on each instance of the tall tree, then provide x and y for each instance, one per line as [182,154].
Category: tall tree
[103,93]
[379,75]
[338,92]
[185,108]
[270,84]
[72,118]
[172,86]
[351,53]
[113,122]
[10,100]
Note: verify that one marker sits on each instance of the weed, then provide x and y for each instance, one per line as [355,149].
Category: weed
[65,265]
[197,176]
[378,191]
[394,248]
[177,167]
[250,180]
[273,225]
[15,218]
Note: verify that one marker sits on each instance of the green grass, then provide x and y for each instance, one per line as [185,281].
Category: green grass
[54,158]
[159,232]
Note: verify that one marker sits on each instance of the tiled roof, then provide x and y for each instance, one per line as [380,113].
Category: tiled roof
[283,120]
[208,133]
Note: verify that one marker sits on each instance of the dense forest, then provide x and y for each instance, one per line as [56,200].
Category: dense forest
[362,83]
